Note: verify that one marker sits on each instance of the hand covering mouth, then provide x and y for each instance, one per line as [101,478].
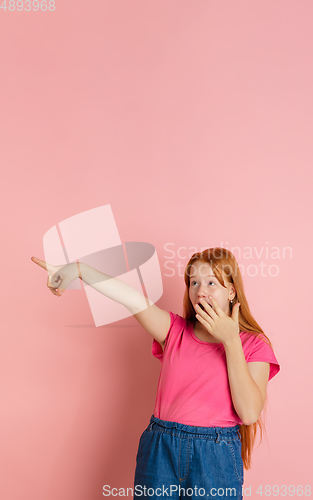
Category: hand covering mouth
[202,307]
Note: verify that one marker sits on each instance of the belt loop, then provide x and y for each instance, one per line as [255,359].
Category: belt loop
[151,424]
[239,435]
[217,440]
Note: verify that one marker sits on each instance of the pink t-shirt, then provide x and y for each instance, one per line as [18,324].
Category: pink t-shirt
[193,387]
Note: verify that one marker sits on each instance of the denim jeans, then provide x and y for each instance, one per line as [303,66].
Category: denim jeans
[181,461]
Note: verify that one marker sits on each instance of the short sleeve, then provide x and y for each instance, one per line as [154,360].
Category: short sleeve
[261,351]
[157,350]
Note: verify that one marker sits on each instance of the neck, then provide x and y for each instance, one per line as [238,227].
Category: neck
[200,326]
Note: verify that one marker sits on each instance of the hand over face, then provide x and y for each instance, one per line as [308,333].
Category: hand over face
[223,327]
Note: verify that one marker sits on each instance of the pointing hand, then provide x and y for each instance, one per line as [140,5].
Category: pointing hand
[59,277]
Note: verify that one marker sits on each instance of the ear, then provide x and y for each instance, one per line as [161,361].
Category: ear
[232,291]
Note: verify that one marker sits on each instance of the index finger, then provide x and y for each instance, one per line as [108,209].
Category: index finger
[216,305]
[40,263]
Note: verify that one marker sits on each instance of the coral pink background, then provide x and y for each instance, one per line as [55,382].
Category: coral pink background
[193,120]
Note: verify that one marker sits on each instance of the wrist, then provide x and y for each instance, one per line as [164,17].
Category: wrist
[71,271]
[232,342]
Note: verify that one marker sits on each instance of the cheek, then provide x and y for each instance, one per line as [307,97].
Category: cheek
[220,298]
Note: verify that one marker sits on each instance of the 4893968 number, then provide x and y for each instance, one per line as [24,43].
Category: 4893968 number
[27,5]
[284,490]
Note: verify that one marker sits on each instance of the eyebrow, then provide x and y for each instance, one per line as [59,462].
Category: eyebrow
[207,276]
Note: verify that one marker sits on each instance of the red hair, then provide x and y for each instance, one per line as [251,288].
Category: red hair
[225,268]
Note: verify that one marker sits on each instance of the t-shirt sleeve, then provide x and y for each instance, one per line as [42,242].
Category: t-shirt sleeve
[261,351]
[157,350]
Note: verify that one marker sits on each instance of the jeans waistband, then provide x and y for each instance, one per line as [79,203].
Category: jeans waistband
[217,433]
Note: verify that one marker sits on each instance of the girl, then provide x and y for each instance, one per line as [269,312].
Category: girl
[216,362]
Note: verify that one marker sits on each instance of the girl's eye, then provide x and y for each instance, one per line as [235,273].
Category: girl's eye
[208,283]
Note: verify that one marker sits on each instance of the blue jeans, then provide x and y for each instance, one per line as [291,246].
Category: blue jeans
[188,462]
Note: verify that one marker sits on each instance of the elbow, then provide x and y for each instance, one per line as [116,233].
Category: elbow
[250,419]
[249,422]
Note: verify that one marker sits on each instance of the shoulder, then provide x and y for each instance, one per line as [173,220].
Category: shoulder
[177,326]
[253,338]
[256,348]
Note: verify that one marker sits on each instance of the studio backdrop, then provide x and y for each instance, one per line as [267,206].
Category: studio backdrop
[135,133]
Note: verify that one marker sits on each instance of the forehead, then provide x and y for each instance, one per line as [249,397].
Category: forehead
[201,269]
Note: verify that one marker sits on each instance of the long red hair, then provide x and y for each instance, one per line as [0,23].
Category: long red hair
[225,267]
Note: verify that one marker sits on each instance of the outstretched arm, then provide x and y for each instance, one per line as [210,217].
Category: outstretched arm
[113,288]
[59,277]
[154,320]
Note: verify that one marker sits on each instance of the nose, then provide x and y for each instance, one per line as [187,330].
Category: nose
[202,293]
[202,296]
